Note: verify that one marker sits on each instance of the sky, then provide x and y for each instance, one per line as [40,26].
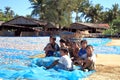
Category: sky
[22,7]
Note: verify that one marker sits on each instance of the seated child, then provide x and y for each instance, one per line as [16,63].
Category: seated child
[82,51]
[75,50]
[51,47]
[62,43]
[64,62]
[89,60]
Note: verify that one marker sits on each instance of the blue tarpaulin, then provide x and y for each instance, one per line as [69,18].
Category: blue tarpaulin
[15,64]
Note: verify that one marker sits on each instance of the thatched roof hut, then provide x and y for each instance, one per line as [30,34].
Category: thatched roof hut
[21,23]
[24,22]
[78,26]
[99,26]
[89,26]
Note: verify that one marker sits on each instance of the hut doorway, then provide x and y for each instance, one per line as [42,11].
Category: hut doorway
[17,32]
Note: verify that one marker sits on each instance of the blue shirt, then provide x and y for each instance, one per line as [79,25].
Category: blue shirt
[81,52]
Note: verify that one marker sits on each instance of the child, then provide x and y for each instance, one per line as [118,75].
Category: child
[82,51]
[75,50]
[51,47]
[64,62]
[89,60]
[63,43]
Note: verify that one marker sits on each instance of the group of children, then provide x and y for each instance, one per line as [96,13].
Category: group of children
[71,53]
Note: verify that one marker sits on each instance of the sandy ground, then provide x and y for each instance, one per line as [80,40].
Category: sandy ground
[107,66]
[114,42]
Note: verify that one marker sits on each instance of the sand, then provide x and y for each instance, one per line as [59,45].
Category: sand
[114,42]
[107,65]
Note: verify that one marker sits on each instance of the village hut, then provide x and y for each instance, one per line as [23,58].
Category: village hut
[22,26]
[52,28]
[88,29]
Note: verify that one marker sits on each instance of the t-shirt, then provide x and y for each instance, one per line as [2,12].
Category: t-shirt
[82,53]
[55,47]
[93,57]
[50,49]
[66,61]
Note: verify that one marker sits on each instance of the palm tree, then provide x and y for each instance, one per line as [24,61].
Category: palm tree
[115,9]
[38,8]
[12,13]
[83,7]
[53,10]
[92,13]
[7,10]
[9,14]
[111,14]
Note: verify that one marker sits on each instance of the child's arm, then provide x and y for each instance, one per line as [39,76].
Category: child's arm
[53,64]
[86,63]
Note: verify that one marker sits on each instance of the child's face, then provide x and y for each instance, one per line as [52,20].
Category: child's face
[75,45]
[62,44]
[62,53]
[83,45]
[51,40]
[89,51]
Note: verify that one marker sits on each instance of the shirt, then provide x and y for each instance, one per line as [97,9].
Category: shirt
[93,57]
[82,53]
[66,61]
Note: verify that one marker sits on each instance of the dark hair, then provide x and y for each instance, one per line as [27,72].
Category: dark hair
[65,50]
[89,46]
[83,41]
[53,37]
[62,40]
[68,43]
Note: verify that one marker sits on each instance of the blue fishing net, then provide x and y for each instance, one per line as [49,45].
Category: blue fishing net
[15,64]
[34,72]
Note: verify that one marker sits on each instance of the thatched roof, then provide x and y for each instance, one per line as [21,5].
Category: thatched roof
[78,26]
[96,25]
[28,22]
[22,27]
[88,25]
[50,25]
[25,21]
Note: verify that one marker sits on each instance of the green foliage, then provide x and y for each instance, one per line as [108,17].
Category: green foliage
[57,11]
[6,15]
[116,23]
[111,14]
[109,31]
[114,27]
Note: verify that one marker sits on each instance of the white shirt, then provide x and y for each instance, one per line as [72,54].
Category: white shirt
[66,61]
[93,57]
